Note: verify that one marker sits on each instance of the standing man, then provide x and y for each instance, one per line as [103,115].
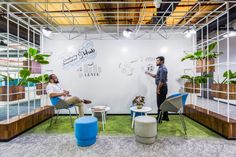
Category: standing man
[161,85]
[55,90]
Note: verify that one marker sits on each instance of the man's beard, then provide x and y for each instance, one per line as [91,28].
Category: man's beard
[56,81]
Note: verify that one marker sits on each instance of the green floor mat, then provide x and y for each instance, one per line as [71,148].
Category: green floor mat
[121,125]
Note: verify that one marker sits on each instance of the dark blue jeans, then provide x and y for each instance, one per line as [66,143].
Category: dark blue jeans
[160,99]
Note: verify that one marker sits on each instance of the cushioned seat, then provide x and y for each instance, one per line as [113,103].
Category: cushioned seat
[145,129]
[86,129]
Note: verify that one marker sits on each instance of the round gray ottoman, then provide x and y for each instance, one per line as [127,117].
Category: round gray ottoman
[145,129]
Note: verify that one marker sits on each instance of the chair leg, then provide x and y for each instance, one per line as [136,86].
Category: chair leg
[183,123]
[51,121]
[103,120]
[159,120]
[76,112]
[57,115]
[70,118]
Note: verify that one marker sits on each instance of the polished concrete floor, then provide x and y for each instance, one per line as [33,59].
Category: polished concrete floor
[64,145]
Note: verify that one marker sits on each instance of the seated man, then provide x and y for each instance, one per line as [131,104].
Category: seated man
[55,90]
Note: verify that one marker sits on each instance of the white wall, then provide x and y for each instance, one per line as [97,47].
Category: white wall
[112,87]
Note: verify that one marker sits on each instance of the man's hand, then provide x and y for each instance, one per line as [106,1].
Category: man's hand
[158,91]
[150,74]
[67,93]
[64,94]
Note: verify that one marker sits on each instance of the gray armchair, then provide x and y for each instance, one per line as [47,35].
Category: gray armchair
[173,104]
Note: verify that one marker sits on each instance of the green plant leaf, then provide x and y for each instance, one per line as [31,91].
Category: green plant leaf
[45,55]
[188,56]
[43,61]
[33,80]
[38,57]
[198,54]
[197,79]
[24,73]
[211,47]
[186,77]
[26,55]
[4,78]
[228,74]
[32,52]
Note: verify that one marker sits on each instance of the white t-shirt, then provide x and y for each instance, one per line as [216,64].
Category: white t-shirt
[54,88]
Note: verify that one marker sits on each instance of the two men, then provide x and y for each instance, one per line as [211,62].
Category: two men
[54,89]
[161,84]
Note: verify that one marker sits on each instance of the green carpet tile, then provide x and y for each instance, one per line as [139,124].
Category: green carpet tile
[121,125]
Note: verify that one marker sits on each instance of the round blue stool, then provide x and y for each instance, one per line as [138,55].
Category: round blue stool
[86,129]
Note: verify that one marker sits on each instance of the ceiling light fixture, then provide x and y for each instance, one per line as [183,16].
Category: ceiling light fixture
[231,34]
[127,32]
[47,31]
[157,3]
[189,32]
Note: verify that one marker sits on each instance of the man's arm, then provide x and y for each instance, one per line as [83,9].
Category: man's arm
[67,92]
[159,87]
[150,74]
[51,93]
[56,94]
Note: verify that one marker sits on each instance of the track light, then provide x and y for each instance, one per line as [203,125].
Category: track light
[157,3]
[189,32]
[127,32]
[231,34]
[47,31]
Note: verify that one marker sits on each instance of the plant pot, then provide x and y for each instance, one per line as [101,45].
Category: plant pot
[224,88]
[191,88]
[139,106]
[15,93]
[41,88]
[34,67]
[205,65]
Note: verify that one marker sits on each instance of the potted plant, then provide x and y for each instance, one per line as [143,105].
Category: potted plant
[205,58]
[220,89]
[139,101]
[16,89]
[41,83]
[34,60]
[193,82]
